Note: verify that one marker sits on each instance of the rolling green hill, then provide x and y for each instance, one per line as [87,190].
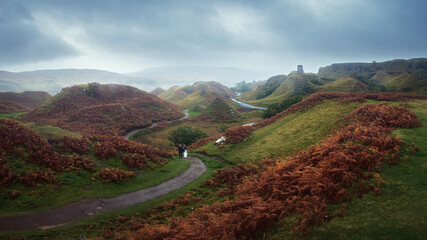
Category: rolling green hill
[197,96]
[394,76]
[220,111]
[280,88]
[390,76]
[293,132]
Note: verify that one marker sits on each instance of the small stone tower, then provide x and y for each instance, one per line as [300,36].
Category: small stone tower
[300,69]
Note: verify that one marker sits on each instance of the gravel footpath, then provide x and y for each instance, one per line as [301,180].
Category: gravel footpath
[90,207]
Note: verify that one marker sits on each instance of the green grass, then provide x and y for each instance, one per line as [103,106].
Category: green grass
[14,115]
[193,113]
[160,139]
[51,132]
[339,85]
[400,212]
[77,185]
[81,227]
[43,130]
[293,132]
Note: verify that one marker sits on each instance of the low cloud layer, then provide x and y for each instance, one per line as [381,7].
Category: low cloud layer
[262,36]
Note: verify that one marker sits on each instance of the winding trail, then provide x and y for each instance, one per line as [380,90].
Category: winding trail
[89,207]
[127,135]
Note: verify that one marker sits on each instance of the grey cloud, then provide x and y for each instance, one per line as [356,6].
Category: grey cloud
[21,41]
[190,32]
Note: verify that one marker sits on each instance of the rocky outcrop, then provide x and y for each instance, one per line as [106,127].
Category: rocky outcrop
[340,70]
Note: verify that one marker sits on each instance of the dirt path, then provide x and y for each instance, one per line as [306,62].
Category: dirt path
[127,135]
[90,207]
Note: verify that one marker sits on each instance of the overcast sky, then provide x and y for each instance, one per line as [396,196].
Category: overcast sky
[268,37]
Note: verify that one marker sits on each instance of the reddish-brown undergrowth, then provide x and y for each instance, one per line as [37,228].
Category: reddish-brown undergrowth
[237,134]
[107,109]
[136,154]
[114,175]
[301,185]
[66,154]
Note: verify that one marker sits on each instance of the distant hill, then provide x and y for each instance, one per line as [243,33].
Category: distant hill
[391,76]
[219,111]
[158,91]
[341,70]
[21,102]
[279,88]
[197,96]
[53,81]
[395,76]
[103,109]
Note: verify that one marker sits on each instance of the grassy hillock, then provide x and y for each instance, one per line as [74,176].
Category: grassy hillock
[102,109]
[281,87]
[293,132]
[22,102]
[197,96]
[157,91]
[220,111]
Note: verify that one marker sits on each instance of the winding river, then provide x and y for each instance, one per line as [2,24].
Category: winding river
[245,105]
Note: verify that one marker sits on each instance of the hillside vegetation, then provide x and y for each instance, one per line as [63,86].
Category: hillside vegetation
[305,188]
[103,109]
[41,172]
[21,102]
[293,132]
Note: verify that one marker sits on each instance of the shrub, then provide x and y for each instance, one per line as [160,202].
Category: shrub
[114,175]
[186,135]
[109,146]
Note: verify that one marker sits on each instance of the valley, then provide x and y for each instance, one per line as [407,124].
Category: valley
[338,154]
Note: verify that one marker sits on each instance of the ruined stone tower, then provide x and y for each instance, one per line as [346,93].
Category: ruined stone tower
[300,69]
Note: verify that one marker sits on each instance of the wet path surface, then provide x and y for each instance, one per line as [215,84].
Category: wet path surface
[90,207]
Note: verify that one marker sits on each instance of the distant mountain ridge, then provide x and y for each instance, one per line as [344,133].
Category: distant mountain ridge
[54,80]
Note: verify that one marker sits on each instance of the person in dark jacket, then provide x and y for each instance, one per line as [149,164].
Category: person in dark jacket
[180,151]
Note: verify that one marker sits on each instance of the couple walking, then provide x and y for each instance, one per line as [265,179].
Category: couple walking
[182,151]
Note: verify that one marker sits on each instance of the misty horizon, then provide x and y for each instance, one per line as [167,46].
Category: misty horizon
[262,37]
